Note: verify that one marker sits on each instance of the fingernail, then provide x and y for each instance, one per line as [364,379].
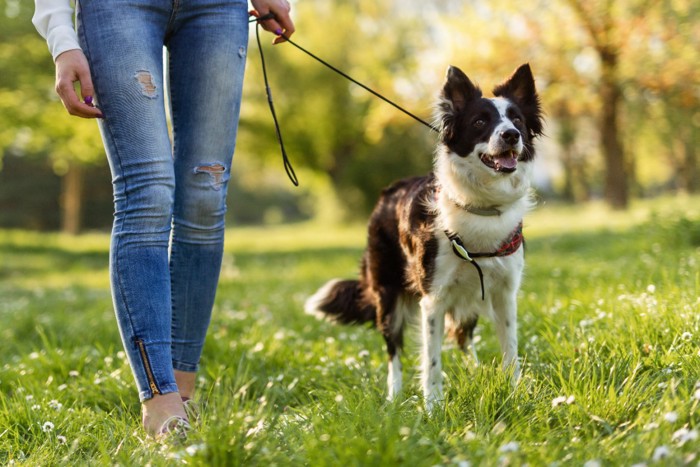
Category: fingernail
[88,100]
[278,32]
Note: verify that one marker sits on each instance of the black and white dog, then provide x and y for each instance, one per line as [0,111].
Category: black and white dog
[451,241]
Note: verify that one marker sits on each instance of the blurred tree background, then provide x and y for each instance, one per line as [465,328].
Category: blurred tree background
[619,80]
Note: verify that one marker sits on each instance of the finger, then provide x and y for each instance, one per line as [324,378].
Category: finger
[286,23]
[281,25]
[73,105]
[87,91]
[270,24]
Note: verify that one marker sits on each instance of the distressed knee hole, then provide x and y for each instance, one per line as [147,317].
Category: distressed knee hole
[145,80]
[216,171]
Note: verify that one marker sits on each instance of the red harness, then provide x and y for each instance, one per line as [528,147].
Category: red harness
[507,248]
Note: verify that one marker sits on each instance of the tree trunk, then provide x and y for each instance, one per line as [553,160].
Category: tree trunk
[616,177]
[72,200]
[688,176]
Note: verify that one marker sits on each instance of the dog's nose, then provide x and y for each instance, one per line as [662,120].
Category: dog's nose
[510,136]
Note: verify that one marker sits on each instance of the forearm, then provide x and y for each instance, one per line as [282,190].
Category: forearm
[53,19]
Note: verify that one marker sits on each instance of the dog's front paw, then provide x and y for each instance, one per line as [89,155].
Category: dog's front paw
[515,373]
[434,399]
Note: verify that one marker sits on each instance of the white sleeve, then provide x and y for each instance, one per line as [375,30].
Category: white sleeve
[53,19]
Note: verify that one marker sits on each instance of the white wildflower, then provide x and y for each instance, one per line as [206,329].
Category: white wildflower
[195,448]
[36,407]
[364,353]
[651,426]
[405,431]
[513,446]
[324,437]
[61,439]
[47,427]
[651,288]
[339,398]
[686,336]
[592,463]
[684,435]
[697,394]
[671,417]
[350,362]
[662,452]
[260,426]
[557,401]
[62,387]
[499,428]
[54,404]
[73,374]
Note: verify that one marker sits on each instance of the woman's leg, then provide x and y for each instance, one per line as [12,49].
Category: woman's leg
[207,54]
[123,43]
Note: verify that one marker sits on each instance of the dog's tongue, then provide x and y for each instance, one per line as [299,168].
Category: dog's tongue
[506,161]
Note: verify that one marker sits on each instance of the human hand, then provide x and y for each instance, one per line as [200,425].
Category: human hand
[281,24]
[72,67]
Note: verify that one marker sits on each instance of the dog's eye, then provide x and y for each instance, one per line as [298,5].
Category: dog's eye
[479,123]
[517,120]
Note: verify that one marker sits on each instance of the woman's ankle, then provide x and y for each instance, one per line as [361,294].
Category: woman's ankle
[186,382]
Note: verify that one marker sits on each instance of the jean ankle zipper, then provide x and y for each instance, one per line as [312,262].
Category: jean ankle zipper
[147,366]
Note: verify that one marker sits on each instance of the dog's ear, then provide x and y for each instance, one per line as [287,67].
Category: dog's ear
[457,92]
[520,88]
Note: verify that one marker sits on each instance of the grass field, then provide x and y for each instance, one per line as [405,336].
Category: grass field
[609,335]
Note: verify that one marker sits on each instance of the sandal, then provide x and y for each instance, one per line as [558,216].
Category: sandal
[191,409]
[174,428]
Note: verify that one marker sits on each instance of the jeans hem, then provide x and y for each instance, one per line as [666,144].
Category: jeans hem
[187,367]
[164,389]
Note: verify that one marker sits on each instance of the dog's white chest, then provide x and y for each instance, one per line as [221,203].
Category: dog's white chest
[458,284]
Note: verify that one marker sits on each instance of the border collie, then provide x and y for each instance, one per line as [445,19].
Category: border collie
[450,242]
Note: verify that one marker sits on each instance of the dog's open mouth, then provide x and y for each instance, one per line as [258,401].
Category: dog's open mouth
[505,162]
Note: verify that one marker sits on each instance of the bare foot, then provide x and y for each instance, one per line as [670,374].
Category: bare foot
[159,409]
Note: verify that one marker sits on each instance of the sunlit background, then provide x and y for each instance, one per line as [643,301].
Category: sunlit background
[619,81]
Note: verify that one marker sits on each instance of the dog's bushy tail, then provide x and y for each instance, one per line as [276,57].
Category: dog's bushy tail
[342,301]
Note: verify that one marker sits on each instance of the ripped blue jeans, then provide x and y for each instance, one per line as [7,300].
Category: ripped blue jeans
[169,195]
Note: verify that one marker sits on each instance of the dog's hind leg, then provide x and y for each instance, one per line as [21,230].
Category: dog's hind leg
[464,334]
[433,329]
[390,321]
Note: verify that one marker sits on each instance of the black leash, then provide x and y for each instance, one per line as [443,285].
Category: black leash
[285,160]
[287,165]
